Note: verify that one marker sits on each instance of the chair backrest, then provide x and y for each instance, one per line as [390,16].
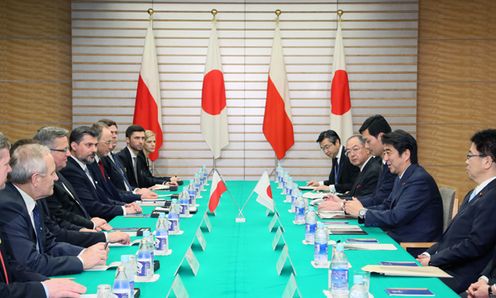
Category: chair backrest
[448,196]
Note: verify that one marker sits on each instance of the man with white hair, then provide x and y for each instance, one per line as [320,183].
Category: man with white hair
[15,281]
[30,243]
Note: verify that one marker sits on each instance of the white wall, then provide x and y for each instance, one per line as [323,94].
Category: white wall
[380,43]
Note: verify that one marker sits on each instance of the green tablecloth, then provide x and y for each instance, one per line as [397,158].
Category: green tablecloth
[239,260]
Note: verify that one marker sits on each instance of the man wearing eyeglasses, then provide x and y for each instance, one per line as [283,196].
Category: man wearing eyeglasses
[343,173]
[366,181]
[468,243]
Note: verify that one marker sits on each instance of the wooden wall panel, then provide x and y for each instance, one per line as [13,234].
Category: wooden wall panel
[380,40]
[35,66]
[456,83]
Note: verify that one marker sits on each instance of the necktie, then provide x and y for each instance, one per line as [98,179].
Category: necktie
[336,170]
[87,171]
[472,195]
[4,268]
[116,165]
[38,227]
[135,170]
[102,169]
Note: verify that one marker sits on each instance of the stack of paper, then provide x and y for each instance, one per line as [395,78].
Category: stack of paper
[419,271]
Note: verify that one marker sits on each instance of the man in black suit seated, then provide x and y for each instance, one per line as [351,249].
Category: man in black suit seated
[115,170]
[485,287]
[414,209]
[134,161]
[343,173]
[372,130]
[83,142]
[64,228]
[468,243]
[366,181]
[22,223]
[15,280]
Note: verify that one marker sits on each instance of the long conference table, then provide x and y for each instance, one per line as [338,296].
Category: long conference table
[238,259]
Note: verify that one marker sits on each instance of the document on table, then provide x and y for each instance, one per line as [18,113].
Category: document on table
[369,246]
[339,214]
[419,271]
[315,195]
[340,229]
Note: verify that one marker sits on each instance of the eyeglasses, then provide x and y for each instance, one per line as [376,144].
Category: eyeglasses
[64,150]
[353,150]
[326,147]
[470,155]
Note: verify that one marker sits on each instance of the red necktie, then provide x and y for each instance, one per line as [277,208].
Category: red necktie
[102,169]
[4,268]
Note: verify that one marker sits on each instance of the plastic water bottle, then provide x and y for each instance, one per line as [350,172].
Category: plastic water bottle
[191,192]
[339,273]
[144,262]
[300,211]
[310,226]
[320,246]
[162,235]
[150,242]
[184,204]
[358,290]
[173,217]
[130,270]
[121,284]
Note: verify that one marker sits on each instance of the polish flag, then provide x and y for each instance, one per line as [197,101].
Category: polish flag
[277,125]
[264,192]
[148,108]
[214,111]
[341,119]
[216,191]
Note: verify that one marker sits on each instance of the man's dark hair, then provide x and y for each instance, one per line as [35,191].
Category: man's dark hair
[329,134]
[108,122]
[375,125]
[485,142]
[78,133]
[132,129]
[401,141]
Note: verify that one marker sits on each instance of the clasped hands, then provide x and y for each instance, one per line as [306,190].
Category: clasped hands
[334,203]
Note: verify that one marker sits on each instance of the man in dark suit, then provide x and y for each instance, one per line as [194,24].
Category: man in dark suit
[414,209]
[134,161]
[64,205]
[116,171]
[22,222]
[468,243]
[343,173]
[15,280]
[98,168]
[486,284]
[366,181]
[372,130]
[83,144]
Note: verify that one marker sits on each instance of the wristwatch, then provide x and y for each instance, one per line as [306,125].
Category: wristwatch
[361,215]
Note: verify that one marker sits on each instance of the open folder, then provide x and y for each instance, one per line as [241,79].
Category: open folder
[420,271]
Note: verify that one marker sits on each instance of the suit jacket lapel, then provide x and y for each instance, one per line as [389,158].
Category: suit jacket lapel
[74,197]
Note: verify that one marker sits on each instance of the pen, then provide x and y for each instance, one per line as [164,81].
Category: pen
[106,245]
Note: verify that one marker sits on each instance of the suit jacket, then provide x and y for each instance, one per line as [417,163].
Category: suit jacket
[116,172]
[366,181]
[66,209]
[347,174]
[490,270]
[383,188]
[54,258]
[468,243]
[94,198]
[22,283]
[108,186]
[145,177]
[414,209]
[83,239]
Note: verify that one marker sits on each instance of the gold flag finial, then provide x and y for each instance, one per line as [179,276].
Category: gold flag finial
[214,13]
[278,12]
[150,11]
[340,12]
